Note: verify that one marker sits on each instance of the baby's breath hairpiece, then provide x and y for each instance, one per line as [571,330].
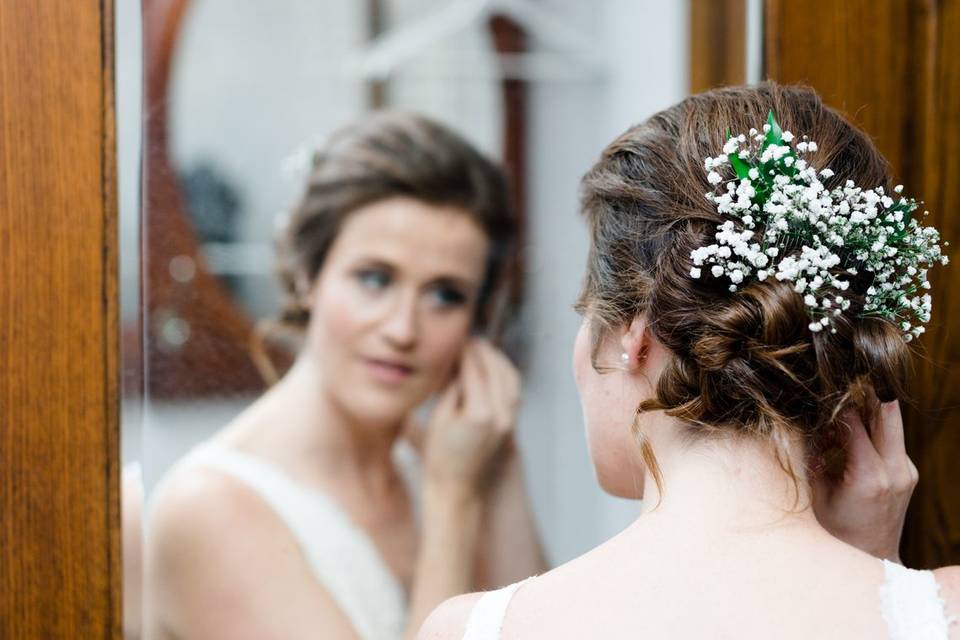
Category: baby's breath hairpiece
[781,222]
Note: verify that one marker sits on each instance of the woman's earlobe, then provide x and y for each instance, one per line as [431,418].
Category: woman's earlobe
[629,363]
[635,342]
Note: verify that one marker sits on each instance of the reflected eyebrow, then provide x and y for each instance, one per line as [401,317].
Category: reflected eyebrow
[455,282]
[370,261]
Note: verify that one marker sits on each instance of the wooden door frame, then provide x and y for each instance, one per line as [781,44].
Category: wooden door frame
[60,560]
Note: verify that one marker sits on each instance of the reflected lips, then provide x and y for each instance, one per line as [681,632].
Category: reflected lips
[387,371]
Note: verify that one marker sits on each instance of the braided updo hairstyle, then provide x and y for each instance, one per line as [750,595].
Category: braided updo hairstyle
[743,363]
[386,155]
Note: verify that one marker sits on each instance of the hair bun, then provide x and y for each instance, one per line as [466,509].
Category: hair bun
[764,317]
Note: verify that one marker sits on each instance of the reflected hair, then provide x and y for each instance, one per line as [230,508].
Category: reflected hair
[742,364]
[389,154]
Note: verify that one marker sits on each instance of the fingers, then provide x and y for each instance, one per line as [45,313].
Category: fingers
[887,433]
[862,456]
[877,462]
[503,382]
[473,377]
[448,402]
[490,387]
[889,440]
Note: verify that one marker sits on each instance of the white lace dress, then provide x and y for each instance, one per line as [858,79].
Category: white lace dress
[341,555]
[910,602]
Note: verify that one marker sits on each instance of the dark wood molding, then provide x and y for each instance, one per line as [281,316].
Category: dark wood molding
[509,37]
[60,561]
[718,43]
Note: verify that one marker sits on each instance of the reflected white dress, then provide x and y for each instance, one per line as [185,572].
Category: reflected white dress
[910,602]
[340,554]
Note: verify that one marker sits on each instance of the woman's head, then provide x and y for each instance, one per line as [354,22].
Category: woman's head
[740,363]
[392,257]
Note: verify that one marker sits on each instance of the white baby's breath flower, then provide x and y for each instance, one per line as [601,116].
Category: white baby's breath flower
[816,234]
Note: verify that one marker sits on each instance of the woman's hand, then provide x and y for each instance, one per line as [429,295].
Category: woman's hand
[867,507]
[472,421]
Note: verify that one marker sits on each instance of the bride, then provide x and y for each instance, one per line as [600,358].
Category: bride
[296,520]
[743,344]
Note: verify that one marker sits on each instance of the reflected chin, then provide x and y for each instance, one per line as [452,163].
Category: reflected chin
[375,402]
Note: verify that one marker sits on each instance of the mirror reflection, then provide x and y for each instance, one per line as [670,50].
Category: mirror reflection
[360,251]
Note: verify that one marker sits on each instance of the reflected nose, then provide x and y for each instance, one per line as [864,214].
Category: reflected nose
[401,327]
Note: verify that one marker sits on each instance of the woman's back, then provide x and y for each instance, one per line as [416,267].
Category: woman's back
[662,579]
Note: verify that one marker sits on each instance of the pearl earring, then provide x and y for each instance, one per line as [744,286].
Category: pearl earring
[624,357]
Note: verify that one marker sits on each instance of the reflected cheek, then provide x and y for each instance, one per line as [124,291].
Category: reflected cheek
[339,320]
[443,342]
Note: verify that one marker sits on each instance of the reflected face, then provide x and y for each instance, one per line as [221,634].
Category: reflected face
[609,399]
[393,305]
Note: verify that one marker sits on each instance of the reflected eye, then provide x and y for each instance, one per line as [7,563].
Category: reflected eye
[373,279]
[446,296]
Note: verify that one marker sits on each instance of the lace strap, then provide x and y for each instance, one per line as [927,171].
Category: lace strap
[911,604]
[486,618]
[339,553]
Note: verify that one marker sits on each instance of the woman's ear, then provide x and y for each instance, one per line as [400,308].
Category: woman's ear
[635,342]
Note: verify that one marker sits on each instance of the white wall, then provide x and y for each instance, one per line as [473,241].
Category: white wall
[645,44]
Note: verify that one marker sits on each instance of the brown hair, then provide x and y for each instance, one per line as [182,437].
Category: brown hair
[384,155]
[743,363]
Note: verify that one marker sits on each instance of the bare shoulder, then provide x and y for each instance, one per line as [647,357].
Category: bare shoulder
[200,527]
[193,505]
[449,620]
[221,564]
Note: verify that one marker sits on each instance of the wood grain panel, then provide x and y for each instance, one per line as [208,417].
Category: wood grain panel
[59,431]
[933,528]
[718,43]
[893,66]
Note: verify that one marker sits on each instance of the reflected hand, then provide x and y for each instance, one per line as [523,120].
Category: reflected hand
[472,420]
[867,507]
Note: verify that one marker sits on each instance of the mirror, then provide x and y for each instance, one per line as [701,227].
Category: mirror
[240,94]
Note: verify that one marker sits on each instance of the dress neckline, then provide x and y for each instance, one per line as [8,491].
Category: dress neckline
[315,494]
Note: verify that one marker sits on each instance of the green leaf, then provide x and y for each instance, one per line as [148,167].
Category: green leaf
[741,167]
[775,134]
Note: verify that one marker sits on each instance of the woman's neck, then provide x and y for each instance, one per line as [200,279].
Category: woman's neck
[736,484]
[300,419]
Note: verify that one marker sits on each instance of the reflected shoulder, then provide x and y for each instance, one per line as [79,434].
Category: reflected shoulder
[221,564]
[449,620]
[191,500]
